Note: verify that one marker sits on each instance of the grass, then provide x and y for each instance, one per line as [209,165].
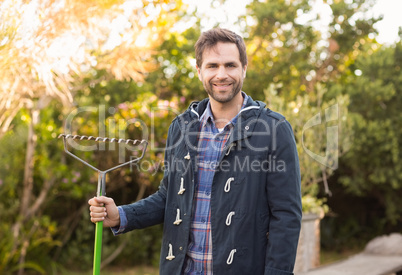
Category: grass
[139,270]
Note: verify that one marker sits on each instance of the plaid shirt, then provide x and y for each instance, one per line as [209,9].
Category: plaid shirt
[211,143]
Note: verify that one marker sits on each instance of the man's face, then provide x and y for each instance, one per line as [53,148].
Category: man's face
[221,72]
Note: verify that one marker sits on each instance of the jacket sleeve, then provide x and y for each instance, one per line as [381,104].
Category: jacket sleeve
[151,210]
[284,199]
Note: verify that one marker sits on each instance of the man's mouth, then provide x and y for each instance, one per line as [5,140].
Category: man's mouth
[222,85]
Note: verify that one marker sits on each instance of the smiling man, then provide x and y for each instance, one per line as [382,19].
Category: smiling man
[231,211]
[222,73]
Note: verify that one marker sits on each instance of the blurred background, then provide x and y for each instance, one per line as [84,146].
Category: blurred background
[125,69]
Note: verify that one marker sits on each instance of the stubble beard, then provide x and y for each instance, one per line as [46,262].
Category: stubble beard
[225,98]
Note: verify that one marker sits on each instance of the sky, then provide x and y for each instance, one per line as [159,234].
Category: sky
[226,14]
[388,27]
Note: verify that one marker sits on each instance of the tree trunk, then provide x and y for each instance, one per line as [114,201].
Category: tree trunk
[29,164]
[27,186]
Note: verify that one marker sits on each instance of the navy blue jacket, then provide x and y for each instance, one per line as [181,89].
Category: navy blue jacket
[255,200]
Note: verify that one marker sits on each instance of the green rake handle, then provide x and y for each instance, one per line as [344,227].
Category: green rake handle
[98,248]
[99,228]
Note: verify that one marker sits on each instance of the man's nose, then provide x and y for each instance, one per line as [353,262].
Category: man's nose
[221,74]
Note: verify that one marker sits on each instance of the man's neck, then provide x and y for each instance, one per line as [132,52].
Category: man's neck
[225,112]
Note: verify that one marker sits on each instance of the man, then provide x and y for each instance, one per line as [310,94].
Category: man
[230,198]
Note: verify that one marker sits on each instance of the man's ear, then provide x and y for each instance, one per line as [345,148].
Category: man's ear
[244,71]
[198,72]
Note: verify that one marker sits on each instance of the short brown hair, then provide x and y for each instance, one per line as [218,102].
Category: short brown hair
[210,38]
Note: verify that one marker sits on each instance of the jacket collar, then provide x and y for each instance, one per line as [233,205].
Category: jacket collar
[189,122]
[251,109]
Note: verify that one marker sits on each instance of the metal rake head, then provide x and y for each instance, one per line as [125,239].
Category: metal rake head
[102,182]
[134,142]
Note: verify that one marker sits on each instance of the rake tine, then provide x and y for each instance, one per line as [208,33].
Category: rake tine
[103,139]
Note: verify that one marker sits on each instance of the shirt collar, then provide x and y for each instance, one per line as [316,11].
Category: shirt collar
[207,116]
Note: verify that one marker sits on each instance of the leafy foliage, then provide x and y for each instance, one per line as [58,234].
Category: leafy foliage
[373,164]
[332,78]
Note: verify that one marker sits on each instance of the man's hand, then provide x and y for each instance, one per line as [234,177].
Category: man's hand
[104,209]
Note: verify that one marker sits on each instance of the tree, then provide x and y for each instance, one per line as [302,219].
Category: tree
[373,165]
[287,48]
[297,64]
[48,47]
[310,68]
[369,173]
